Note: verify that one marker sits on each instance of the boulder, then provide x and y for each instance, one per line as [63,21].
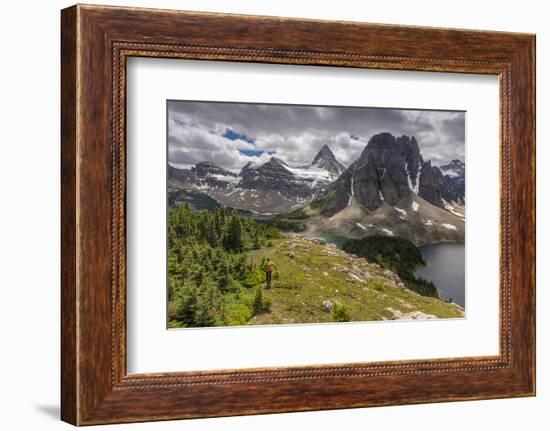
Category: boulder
[328,305]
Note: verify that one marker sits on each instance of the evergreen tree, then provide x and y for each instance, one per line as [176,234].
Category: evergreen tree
[209,306]
[233,235]
[225,278]
[185,304]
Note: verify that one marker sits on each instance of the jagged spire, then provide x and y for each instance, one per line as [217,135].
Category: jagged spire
[326,159]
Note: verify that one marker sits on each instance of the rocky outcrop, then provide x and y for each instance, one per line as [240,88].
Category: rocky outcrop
[413,315]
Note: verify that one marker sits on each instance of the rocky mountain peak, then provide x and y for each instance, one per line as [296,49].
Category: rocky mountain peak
[387,149]
[454,168]
[275,161]
[455,163]
[387,170]
[324,153]
[246,169]
[325,159]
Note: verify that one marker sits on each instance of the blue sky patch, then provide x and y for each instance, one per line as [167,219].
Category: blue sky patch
[233,136]
[255,153]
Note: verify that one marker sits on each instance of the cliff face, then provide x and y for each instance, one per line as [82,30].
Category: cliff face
[431,184]
[386,171]
[437,187]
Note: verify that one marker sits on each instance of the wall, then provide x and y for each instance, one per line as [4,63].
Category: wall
[29,225]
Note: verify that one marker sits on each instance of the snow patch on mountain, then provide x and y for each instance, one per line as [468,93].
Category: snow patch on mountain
[452,209]
[449,226]
[401,211]
[227,178]
[311,172]
[351,192]
[361,226]
[452,173]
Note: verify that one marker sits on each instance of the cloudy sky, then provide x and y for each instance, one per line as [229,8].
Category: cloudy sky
[232,134]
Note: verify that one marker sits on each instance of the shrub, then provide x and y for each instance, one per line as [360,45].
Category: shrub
[266,304]
[340,313]
[254,278]
[260,304]
[237,311]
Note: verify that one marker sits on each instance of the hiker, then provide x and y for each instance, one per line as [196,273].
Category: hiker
[268,268]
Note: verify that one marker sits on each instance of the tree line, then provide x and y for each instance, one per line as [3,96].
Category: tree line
[396,254]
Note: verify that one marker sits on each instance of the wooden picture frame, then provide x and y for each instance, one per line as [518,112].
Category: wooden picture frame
[95,43]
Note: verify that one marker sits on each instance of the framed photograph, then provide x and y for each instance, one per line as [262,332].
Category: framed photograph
[264,215]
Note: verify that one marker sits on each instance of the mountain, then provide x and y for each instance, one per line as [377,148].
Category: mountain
[386,171]
[275,175]
[302,182]
[325,160]
[272,187]
[454,169]
[439,188]
[455,174]
[390,190]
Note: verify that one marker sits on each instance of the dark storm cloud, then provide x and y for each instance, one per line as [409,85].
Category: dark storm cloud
[198,131]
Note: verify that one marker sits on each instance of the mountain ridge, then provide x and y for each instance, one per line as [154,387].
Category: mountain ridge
[274,184]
